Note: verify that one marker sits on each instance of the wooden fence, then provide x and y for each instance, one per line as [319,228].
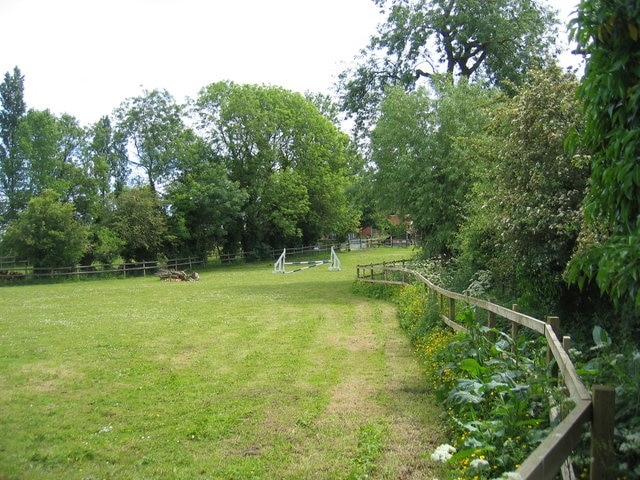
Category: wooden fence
[595,407]
[22,270]
[12,269]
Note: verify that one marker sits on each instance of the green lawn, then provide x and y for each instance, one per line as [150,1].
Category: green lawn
[244,374]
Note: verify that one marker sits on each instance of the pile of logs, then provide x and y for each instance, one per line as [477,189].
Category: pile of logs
[177,276]
[9,275]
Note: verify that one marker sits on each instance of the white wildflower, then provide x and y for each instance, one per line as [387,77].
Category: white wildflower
[443,453]
[631,443]
[511,476]
[479,464]
[106,429]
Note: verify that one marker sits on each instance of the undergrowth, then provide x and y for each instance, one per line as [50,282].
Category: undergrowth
[497,390]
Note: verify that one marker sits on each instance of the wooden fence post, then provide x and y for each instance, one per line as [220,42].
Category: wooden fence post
[491,321]
[452,309]
[555,325]
[514,329]
[602,454]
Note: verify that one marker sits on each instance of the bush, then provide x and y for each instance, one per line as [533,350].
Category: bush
[495,391]
[605,364]
[418,312]
[47,233]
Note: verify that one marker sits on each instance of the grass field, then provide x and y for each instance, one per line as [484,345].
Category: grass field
[244,374]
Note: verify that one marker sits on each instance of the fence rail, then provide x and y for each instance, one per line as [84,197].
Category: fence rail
[594,407]
[12,269]
[22,270]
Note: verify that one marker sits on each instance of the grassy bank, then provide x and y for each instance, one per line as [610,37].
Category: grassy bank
[244,374]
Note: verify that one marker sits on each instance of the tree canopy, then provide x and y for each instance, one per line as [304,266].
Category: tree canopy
[262,168]
[497,41]
[607,33]
[419,167]
[522,215]
[47,233]
[12,110]
[291,161]
[151,128]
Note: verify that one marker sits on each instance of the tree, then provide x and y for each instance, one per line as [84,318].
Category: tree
[291,161]
[206,207]
[151,128]
[523,214]
[47,233]
[420,171]
[608,34]
[495,40]
[106,159]
[139,222]
[12,110]
[51,152]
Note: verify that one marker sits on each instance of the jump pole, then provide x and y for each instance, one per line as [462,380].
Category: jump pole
[279,266]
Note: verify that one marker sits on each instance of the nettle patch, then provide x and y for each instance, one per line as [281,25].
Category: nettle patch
[496,391]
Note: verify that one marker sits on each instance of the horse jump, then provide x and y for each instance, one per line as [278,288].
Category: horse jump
[279,266]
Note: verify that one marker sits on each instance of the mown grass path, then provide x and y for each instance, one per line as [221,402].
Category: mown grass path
[244,374]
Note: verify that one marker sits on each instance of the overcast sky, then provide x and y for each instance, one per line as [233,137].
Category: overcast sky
[84,57]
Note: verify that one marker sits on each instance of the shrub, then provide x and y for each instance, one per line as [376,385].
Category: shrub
[375,290]
[495,390]
[606,364]
[418,312]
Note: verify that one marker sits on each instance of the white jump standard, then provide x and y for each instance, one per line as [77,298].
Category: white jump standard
[279,266]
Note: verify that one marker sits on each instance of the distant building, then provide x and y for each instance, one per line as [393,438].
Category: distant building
[369,236]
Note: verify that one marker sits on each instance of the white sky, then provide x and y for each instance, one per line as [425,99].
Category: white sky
[84,57]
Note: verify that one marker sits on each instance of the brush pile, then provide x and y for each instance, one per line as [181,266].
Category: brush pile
[177,276]
[9,275]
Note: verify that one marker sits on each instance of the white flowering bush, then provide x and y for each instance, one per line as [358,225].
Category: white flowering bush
[443,453]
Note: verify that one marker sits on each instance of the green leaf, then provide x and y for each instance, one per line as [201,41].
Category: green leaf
[600,337]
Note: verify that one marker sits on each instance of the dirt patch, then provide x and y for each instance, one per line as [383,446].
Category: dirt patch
[353,395]
[353,343]
[43,378]
[413,414]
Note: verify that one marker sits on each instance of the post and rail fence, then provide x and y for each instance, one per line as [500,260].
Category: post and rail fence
[595,407]
[12,269]
[21,270]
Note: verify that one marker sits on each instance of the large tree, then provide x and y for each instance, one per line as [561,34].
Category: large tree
[497,40]
[47,233]
[289,159]
[12,110]
[206,208]
[151,128]
[138,224]
[105,159]
[523,215]
[419,168]
[51,152]
[608,34]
